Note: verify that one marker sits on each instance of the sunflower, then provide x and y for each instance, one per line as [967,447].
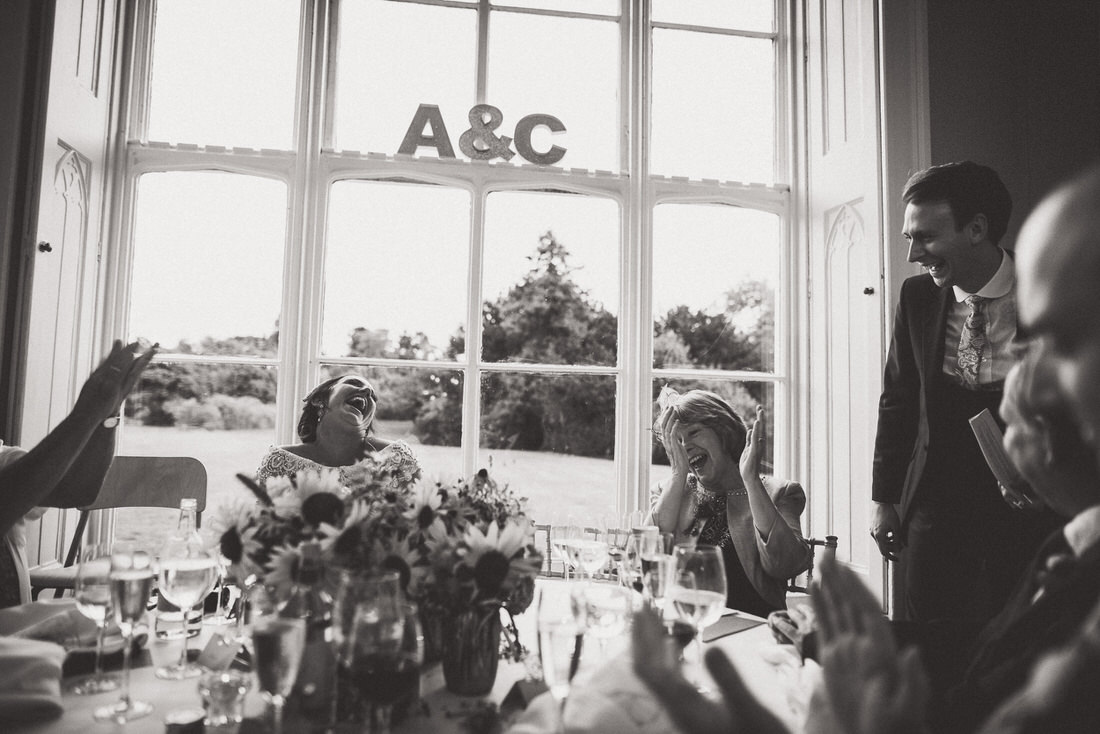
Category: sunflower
[494,555]
[283,569]
[423,510]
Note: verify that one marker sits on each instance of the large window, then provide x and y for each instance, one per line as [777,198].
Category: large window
[309,191]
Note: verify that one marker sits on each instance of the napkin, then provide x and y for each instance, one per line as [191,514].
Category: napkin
[59,623]
[30,680]
[612,700]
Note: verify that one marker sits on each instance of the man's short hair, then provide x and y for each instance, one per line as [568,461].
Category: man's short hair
[969,189]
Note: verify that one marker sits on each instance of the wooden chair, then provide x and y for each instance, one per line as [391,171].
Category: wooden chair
[131,481]
[828,546]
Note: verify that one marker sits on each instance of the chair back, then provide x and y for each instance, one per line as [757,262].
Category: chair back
[151,481]
[145,481]
[801,583]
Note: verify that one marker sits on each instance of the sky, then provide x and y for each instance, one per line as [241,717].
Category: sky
[398,255]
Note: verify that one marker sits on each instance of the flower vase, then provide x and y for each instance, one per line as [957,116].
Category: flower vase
[471,651]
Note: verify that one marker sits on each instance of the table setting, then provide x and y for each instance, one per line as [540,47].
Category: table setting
[364,610]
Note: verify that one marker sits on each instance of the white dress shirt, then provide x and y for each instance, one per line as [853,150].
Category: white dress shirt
[1000,310]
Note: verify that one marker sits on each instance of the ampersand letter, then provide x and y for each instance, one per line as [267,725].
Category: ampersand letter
[479,143]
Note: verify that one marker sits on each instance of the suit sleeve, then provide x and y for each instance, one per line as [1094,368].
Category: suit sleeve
[784,553]
[898,407]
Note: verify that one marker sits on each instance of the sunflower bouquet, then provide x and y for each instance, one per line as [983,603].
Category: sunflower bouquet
[460,546]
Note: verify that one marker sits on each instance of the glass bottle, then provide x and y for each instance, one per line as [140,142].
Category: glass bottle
[168,617]
[314,695]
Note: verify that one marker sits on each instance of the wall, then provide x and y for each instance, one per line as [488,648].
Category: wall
[1016,85]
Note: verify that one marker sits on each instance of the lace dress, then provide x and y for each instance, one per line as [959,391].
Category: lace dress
[398,457]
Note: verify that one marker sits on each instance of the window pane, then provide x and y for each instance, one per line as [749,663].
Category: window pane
[208,261]
[565,67]
[600,7]
[422,407]
[742,396]
[552,439]
[551,279]
[224,73]
[393,57]
[744,15]
[713,107]
[395,265]
[223,415]
[715,274]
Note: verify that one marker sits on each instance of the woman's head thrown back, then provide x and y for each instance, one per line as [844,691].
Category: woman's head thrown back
[350,395]
[707,409]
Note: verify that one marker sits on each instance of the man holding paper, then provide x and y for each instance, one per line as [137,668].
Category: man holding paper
[951,349]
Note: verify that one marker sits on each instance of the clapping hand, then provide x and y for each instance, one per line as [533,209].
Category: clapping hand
[656,664]
[754,448]
[872,688]
[112,380]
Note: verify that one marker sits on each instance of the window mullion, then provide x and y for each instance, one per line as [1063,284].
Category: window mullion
[635,342]
[303,277]
[471,393]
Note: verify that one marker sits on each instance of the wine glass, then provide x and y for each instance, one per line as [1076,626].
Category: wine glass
[277,644]
[382,657]
[92,591]
[187,574]
[698,589]
[562,537]
[561,641]
[589,556]
[602,609]
[131,579]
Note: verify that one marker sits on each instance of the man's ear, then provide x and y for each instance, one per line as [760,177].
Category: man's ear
[978,228]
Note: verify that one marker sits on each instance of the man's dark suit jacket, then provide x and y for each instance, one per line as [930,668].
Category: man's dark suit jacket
[916,356]
[1023,631]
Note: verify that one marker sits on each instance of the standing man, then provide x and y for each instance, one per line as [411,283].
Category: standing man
[954,328]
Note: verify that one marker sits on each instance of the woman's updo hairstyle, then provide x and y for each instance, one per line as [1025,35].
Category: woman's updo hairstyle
[705,408]
[316,405]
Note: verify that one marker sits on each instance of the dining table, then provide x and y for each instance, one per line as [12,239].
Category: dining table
[773,672]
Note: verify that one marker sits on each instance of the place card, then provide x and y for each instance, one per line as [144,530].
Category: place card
[218,653]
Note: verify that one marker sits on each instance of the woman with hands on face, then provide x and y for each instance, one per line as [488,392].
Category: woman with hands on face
[67,467]
[717,496]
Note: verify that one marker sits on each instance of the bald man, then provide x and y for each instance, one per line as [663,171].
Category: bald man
[1059,283]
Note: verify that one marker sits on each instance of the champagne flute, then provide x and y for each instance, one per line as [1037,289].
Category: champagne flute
[561,640]
[92,591]
[698,590]
[187,574]
[131,580]
[277,644]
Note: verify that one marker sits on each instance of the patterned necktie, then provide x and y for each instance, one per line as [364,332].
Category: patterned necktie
[972,341]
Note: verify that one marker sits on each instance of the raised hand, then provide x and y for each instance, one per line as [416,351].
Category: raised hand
[872,688]
[113,379]
[655,663]
[754,448]
[677,456]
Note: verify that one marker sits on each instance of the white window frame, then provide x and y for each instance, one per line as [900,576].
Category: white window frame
[313,159]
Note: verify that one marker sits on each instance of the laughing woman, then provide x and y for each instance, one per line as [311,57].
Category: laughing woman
[336,429]
[717,495]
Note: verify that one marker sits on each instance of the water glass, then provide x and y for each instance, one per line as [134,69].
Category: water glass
[223,693]
[382,658]
[187,574]
[602,609]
